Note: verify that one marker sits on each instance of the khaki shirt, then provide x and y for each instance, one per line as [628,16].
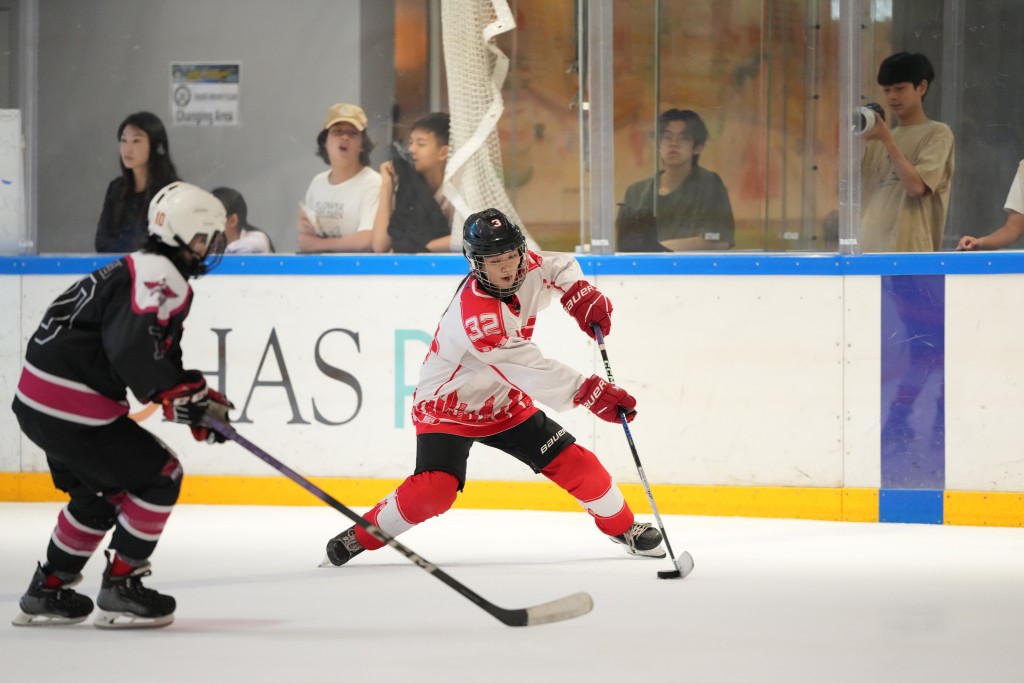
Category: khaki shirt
[891,221]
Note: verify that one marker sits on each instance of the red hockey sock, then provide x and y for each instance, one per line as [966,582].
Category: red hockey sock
[52,582]
[120,567]
[579,472]
[418,498]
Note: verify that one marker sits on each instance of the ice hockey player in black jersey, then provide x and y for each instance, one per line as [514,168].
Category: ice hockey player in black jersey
[116,329]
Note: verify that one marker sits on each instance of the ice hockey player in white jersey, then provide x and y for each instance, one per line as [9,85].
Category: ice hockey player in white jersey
[118,328]
[478,384]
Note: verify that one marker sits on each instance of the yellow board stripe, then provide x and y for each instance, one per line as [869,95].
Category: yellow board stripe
[831,504]
[980,508]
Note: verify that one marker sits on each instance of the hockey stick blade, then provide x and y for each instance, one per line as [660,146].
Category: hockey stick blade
[684,565]
[569,607]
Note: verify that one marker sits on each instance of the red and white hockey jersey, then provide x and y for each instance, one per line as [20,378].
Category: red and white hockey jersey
[483,370]
[117,328]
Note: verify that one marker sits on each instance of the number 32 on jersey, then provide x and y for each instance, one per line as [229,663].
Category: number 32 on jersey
[483,325]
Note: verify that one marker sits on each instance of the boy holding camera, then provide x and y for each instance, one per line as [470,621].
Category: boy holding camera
[907,170]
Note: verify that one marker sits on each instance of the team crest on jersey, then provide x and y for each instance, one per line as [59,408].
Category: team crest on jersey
[157,287]
[159,290]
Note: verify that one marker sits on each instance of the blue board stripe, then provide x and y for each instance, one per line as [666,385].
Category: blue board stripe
[920,506]
[730,263]
[913,354]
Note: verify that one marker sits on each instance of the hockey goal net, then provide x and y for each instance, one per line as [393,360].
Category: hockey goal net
[475,69]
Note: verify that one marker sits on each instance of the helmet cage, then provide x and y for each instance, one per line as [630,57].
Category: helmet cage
[476,265]
[203,263]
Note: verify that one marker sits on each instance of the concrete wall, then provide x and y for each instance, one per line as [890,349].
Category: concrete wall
[99,62]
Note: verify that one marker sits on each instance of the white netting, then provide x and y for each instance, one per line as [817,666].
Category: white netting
[475,69]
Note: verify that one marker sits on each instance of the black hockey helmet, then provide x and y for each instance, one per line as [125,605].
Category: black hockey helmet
[490,233]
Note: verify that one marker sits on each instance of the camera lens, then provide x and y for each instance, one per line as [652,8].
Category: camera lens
[863,120]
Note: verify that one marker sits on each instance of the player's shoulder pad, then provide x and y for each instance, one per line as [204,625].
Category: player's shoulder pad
[157,286]
[482,317]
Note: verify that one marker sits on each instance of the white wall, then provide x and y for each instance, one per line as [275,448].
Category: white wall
[984,383]
[767,380]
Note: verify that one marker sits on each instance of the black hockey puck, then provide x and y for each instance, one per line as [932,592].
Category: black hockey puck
[670,574]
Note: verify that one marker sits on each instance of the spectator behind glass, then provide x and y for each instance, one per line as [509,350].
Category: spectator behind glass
[341,203]
[146,168]
[414,216]
[906,171]
[1012,229]
[685,207]
[241,237]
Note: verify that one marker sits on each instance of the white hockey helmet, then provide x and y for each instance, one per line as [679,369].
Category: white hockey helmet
[180,212]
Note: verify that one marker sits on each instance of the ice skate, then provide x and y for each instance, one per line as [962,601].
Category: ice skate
[53,606]
[125,603]
[641,539]
[343,547]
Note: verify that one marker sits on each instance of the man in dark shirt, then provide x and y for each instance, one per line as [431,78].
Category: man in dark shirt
[683,208]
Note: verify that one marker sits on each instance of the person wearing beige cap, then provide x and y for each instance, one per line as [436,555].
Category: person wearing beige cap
[341,202]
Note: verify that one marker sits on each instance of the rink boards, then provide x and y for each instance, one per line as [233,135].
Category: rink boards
[861,388]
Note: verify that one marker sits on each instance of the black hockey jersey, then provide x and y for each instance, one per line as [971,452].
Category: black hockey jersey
[117,328]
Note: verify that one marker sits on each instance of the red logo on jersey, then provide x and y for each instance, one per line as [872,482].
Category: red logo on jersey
[160,290]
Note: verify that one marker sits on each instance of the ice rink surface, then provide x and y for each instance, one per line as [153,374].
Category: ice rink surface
[769,600]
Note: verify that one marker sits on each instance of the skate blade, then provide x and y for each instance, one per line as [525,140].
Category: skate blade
[126,620]
[656,553]
[24,619]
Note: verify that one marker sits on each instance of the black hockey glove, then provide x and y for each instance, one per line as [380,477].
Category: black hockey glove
[189,400]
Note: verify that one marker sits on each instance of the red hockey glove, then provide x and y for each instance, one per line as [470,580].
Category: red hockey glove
[188,401]
[605,400]
[588,306]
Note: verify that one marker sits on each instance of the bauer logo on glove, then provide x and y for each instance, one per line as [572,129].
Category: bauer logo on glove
[588,306]
[605,400]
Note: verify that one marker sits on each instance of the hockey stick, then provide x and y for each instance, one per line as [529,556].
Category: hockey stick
[684,564]
[569,607]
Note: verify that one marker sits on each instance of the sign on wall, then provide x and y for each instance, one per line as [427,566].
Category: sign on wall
[205,94]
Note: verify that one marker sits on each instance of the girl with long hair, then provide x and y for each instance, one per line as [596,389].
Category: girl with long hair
[146,168]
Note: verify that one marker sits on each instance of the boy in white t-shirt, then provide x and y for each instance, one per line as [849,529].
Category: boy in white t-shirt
[1011,230]
[341,203]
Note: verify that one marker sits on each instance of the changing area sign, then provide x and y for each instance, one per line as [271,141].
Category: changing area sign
[205,94]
